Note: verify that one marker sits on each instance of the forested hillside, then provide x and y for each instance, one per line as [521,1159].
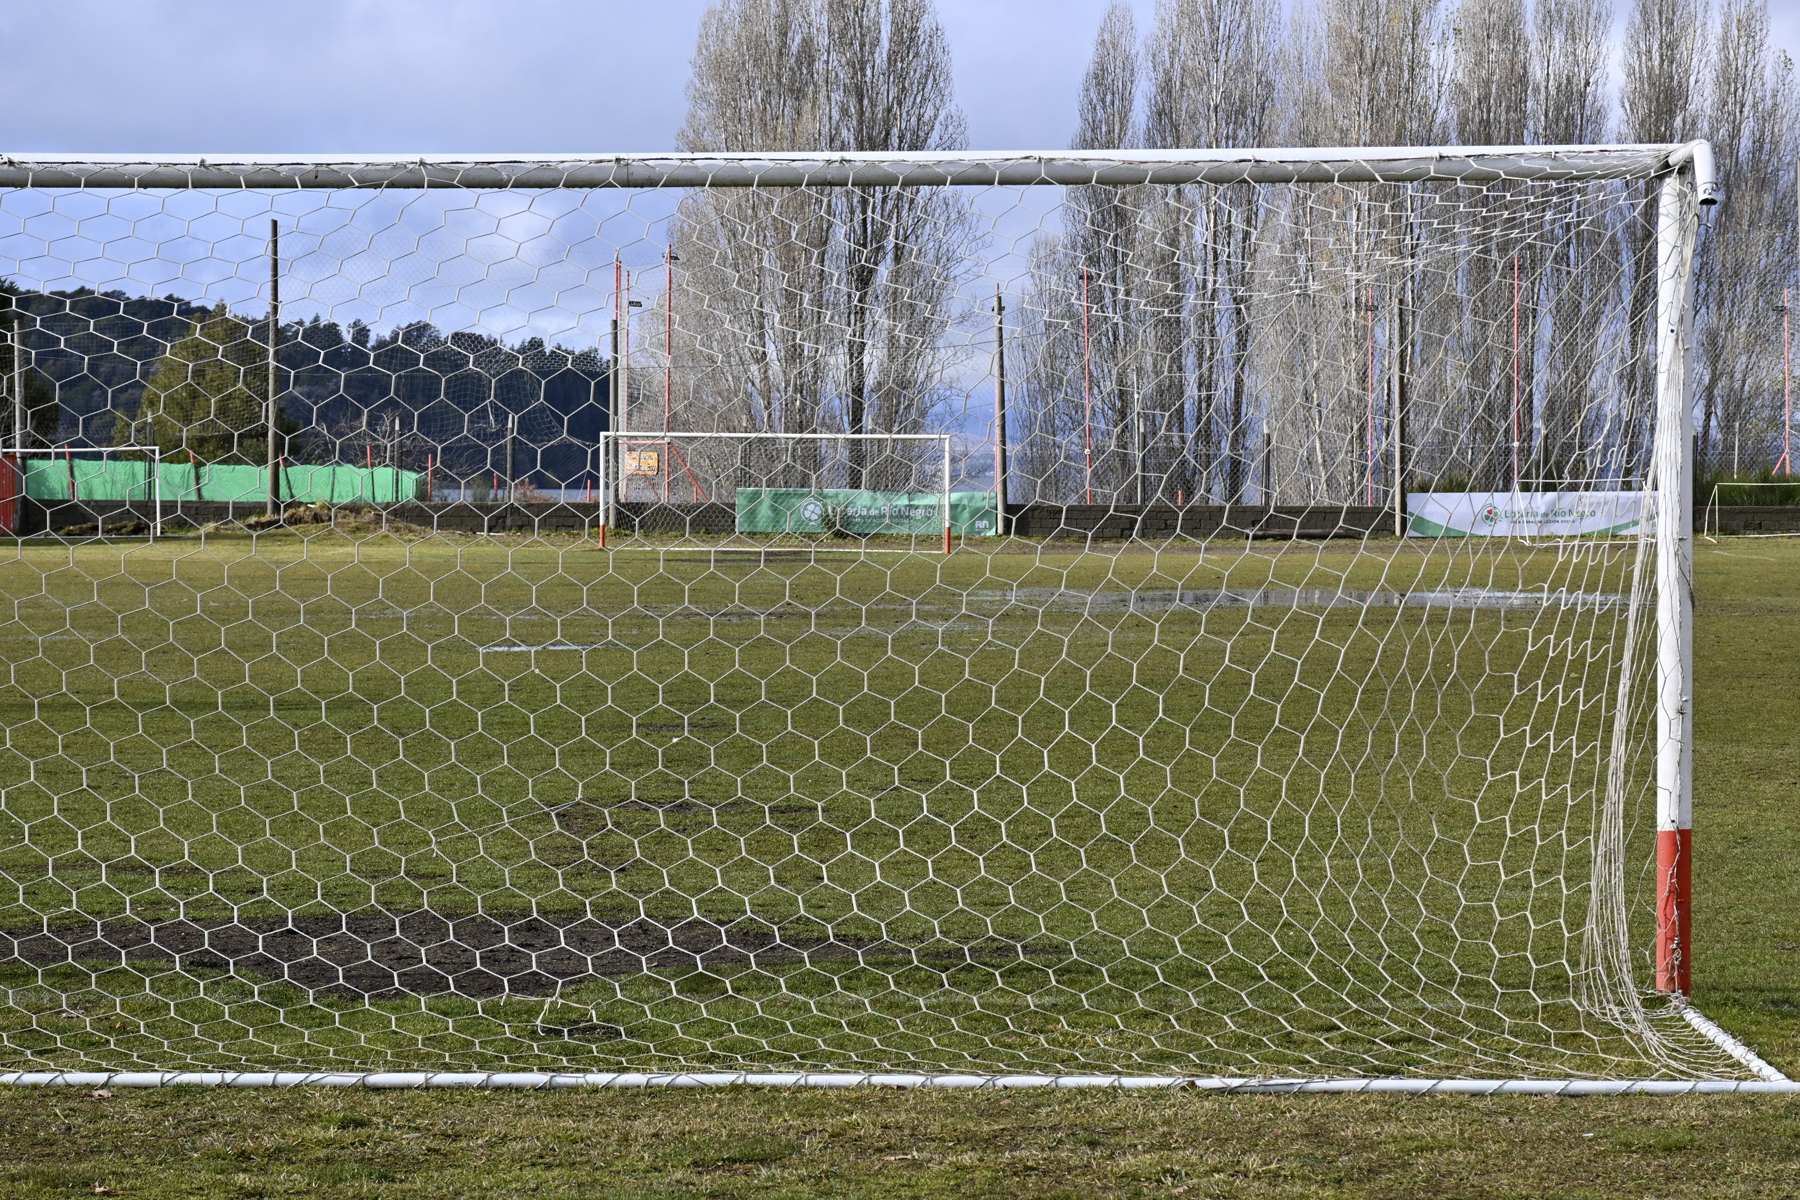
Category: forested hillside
[347,395]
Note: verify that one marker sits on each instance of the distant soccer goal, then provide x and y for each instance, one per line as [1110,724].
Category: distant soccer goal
[848,487]
[1092,617]
[117,491]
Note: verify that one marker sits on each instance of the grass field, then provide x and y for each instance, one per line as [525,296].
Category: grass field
[192,1143]
[460,801]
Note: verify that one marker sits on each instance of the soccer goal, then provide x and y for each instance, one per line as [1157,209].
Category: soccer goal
[68,491]
[789,486]
[1305,729]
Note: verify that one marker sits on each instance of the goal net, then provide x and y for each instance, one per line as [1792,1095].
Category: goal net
[1306,693]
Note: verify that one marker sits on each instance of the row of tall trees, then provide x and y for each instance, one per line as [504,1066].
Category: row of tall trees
[1309,342]
[818,309]
[1315,342]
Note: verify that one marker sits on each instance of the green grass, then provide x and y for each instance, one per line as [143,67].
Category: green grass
[188,1143]
[1007,822]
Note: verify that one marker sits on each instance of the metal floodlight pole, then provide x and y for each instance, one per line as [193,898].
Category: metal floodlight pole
[18,372]
[1677,221]
[607,445]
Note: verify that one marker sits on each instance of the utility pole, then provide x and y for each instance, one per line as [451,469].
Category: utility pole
[670,258]
[18,373]
[512,453]
[999,412]
[1402,376]
[274,505]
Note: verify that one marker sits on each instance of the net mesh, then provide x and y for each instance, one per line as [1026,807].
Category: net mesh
[1182,762]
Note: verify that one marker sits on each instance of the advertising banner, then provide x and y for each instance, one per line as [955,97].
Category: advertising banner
[1526,514]
[861,514]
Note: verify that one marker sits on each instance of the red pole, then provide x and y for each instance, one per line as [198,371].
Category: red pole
[69,457]
[1087,392]
[1674,910]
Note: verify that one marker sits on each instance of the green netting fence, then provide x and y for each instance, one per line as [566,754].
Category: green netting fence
[820,510]
[70,478]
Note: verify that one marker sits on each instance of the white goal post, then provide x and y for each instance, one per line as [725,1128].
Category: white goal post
[1220,768]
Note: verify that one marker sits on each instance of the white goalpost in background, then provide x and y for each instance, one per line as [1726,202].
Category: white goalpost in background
[1204,773]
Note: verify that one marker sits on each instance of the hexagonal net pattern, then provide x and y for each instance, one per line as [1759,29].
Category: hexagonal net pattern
[542,651]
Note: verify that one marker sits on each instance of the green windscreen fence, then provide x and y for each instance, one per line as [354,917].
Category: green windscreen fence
[821,510]
[72,478]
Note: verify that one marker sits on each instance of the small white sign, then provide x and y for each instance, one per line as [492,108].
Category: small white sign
[1527,514]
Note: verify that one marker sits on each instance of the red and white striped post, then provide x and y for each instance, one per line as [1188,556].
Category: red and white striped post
[1676,225]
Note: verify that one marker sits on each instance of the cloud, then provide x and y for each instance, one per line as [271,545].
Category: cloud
[442,76]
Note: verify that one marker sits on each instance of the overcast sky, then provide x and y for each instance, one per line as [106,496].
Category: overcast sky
[442,76]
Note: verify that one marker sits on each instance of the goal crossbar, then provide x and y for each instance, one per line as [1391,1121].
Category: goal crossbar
[1468,164]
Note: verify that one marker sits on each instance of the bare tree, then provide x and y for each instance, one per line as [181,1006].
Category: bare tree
[1570,106]
[1664,49]
[1080,313]
[888,68]
[1490,101]
[1749,245]
[1354,72]
[1212,83]
[809,310]
[755,262]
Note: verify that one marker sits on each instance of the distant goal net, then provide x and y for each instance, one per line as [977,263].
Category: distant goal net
[550,664]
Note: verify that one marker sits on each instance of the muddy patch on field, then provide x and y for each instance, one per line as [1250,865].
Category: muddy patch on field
[386,955]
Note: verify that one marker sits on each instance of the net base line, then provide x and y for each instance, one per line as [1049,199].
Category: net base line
[634,1080]
[1710,1030]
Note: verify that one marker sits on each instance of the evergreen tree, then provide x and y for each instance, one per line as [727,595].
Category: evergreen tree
[43,409]
[206,397]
